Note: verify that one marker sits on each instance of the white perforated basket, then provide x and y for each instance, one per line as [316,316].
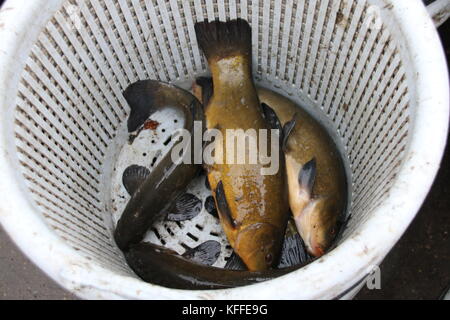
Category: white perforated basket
[372,71]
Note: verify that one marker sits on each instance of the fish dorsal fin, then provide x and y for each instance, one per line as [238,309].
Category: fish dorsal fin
[286,132]
[224,210]
[307,176]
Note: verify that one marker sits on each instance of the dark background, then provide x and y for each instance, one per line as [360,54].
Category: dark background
[418,267]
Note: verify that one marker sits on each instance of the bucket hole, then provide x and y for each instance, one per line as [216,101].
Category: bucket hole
[168,141]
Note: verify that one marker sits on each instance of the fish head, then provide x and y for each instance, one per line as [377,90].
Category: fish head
[317,225]
[259,246]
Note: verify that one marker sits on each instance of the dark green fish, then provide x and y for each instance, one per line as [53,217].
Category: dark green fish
[168,179]
[161,266]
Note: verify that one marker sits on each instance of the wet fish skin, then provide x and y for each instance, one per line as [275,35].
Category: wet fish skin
[261,211]
[318,208]
[319,213]
[161,266]
[168,179]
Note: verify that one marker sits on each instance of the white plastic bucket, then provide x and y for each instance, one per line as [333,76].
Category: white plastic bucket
[372,71]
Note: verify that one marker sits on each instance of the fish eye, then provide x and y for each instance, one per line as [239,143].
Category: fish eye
[269,258]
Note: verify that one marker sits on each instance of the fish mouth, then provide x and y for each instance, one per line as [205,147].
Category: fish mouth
[312,246]
[258,246]
[315,249]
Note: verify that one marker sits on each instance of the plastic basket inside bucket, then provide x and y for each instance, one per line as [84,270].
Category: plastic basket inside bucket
[345,62]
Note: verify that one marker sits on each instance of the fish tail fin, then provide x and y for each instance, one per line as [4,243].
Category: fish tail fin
[141,99]
[220,39]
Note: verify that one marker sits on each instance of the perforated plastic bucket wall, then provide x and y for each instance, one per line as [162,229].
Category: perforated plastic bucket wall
[371,71]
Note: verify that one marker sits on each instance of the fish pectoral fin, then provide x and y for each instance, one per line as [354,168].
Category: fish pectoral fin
[307,176]
[271,117]
[223,208]
[286,132]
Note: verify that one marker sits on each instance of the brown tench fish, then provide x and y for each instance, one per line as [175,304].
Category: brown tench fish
[253,207]
[168,179]
[316,175]
[312,162]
